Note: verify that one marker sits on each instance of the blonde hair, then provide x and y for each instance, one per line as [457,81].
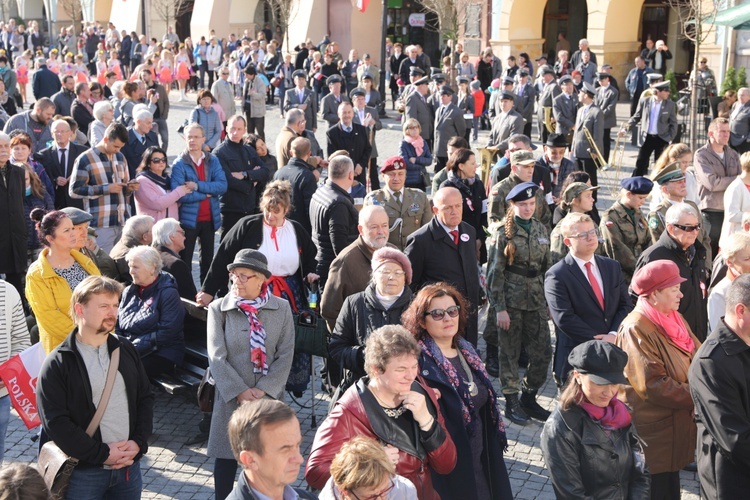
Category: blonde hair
[735,244]
[745,161]
[410,123]
[570,220]
[671,153]
[360,463]
[93,285]
[277,194]
[510,246]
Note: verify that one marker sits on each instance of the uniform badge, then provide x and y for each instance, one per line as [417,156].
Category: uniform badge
[425,372]
[414,207]
[464,237]
[653,223]
[543,241]
[470,204]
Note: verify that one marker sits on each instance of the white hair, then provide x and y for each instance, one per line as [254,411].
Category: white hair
[676,211]
[142,114]
[163,231]
[100,108]
[146,255]
[135,227]
[367,212]
[117,88]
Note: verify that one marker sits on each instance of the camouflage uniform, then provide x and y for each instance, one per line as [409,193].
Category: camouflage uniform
[624,239]
[656,226]
[413,212]
[523,298]
[497,204]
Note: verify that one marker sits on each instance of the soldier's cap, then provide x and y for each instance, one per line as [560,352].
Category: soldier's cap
[367,76]
[588,88]
[333,79]
[555,140]
[462,79]
[357,92]
[393,163]
[77,216]
[541,58]
[565,79]
[92,232]
[670,173]
[366,56]
[300,73]
[602,75]
[434,70]
[507,96]
[602,361]
[422,81]
[654,77]
[522,192]
[663,86]
[446,90]
[637,185]
[656,275]
[337,153]
[575,189]
[546,70]
[416,71]
[523,72]
[438,77]
[522,157]
[606,66]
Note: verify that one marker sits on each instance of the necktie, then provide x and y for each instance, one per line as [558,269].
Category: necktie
[454,233]
[143,140]
[594,285]
[397,195]
[63,163]
[347,129]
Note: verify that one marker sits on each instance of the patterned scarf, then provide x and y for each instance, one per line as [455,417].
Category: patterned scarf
[257,332]
[468,411]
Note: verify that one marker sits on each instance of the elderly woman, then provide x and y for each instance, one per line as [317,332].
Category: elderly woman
[394,407]
[465,68]
[53,276]
[589,443]
[660,346]
[151,313]
[137,231]
[381,303]
[416,153]
[104,114]
[250,349]
[578,197]
[361,469]
[205,115]
[736,252]
[154,197]
[449,363]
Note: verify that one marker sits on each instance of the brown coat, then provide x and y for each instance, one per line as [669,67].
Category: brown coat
[283,146]
[658,393]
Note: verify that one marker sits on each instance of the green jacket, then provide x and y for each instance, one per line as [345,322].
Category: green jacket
[623,240]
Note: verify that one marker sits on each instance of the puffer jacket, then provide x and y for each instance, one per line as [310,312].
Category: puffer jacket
[586,464]
[183,170]
[211,123]
[361,314]
[358,413]
[152,318]
[334,223]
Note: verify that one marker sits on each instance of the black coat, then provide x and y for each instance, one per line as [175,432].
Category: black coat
[241,195]
[13,237]
[304,184]
[475,207]
[356,143]
[180,270]
[45,83]
[694,304]
[334,222]
[50,160]
[361,314]
[134,149]
[82,116]
[248,233]
[719,380]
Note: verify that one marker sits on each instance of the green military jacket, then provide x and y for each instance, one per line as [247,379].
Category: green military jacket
[404,218]
[507,284]
[497,204]
[624,241]
[657,225]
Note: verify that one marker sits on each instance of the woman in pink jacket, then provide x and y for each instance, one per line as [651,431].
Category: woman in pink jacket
[154,197]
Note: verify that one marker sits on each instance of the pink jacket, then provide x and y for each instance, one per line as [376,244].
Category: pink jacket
[150,199]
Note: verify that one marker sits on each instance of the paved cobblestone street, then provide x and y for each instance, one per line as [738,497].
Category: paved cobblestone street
[173,469]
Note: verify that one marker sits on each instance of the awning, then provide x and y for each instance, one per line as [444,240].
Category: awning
[737,17]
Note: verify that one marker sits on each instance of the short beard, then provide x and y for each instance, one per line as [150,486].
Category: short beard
[373,244]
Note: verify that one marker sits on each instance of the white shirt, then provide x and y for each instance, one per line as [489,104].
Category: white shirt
[653,120]
[716,302]
[597,275]
[285,260]
[447,229]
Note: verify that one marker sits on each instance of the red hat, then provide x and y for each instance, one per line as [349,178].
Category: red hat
[393,163]
[656,275]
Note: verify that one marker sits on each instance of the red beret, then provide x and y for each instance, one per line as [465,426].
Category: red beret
[656,275]
[393,163]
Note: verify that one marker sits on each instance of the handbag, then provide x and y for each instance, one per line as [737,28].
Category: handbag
[207,392]
[310,334]
[55,465]
[276,81]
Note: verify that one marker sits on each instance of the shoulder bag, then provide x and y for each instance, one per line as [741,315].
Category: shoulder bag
[55,465]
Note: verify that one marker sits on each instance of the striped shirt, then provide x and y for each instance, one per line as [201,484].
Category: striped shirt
[93,171]
[14,334]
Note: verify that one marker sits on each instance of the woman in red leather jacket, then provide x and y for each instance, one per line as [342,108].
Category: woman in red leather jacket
[393,407]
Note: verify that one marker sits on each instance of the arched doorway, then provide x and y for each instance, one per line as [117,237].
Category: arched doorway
[569,17]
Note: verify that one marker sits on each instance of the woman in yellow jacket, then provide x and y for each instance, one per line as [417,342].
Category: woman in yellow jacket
[53,276]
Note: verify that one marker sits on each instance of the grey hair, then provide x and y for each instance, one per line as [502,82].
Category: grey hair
[520,138]
[678,210]
[4,137]
[340,167]
[142,114]
[293,116]
[738,293]
[102,107]
[367,212]
[139,107]
[135,228]
[191,126]
[117,88]
[147,255]
[163,231]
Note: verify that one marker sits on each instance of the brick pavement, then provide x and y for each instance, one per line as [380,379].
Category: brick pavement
[172,469]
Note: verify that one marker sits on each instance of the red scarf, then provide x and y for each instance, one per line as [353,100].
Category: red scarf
[670,324]
[417,142]
[614,416]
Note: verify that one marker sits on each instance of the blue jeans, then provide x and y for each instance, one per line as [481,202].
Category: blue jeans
[4,419]
[98,484]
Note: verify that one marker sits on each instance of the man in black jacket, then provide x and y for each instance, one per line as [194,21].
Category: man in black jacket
[140,138]
[303,179]
[70,386]
[352,138]
[81,111]
[58,160]
[679,244]
[64,98]
[44,83]
[244,170]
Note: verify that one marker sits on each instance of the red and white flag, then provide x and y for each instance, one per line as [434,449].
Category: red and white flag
[362,5]
[19,374]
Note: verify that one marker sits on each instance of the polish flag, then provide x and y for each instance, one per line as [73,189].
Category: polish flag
[19,374]
[362,5]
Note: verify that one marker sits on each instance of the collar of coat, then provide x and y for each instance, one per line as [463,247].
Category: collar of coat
[229,303]
[727,339]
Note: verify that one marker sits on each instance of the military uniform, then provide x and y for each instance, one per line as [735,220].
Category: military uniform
[624,237]
[405,217]
[657,225]
[497,204]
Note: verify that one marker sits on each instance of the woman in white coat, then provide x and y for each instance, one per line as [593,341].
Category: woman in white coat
[736,201]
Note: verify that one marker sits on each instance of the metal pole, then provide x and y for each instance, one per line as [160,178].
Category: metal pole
[383,33]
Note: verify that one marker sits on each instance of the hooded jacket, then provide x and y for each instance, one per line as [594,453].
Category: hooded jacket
[215,185]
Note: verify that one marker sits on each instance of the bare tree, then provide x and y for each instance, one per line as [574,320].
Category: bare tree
[696,21]
[451,15]
[169,10]
[284,12]
[5,9]
[74,9]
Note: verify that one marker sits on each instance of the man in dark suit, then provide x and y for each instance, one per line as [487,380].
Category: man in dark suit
[352,138]
[300,174]
[565,107]
[507,123]
[58,161]
[586,294]
[44,83]
[329,105]
[550,89]
[302,98]
[369,118]
[445,250]
[654,137]
[449,122]
[525,99]
[415,106]
[739,122]
[590,117]
[140,137]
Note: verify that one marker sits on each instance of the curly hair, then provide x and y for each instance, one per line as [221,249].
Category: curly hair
[414,318]
[386,343]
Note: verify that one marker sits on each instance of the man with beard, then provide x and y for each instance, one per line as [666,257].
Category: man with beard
[72,385]
[34,122]
[64,98]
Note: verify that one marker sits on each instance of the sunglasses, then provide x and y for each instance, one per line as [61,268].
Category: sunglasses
[158,160]
[439,314]
[688,229]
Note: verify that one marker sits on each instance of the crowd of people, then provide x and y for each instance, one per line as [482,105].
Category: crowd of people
[101,232]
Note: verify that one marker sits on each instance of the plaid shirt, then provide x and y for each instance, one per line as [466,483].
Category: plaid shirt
[92,173]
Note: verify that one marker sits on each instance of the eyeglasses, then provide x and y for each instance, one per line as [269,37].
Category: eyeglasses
[593,233]
[439,314]
[688,229]
[378,496]
[158,160]
[385,272]
[242,278]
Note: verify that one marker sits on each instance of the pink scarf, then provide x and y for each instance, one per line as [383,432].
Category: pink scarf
[417,142]
[671,324]
[614,416]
